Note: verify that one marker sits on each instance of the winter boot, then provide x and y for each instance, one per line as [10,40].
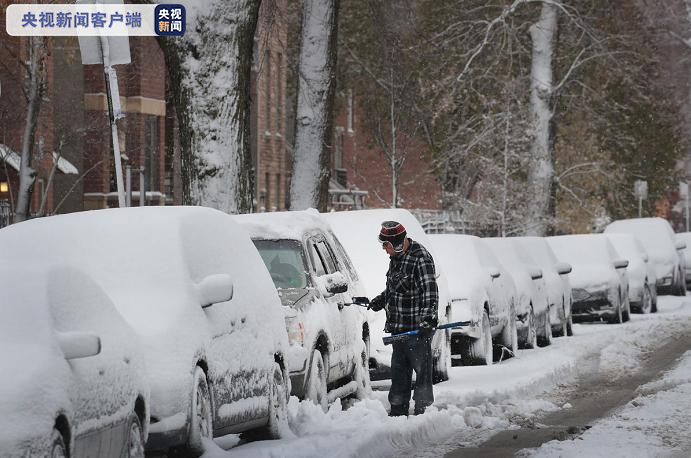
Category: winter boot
[398,411]
[419,410]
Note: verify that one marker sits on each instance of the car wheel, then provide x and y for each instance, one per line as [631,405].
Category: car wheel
[441,364]
[682,283]
[569,325]
[316,390]
[509,337]
[647,302]
[135,438]
[530,339]
[278,404]
[361,374]
[618,315]
[478,352]
[57,448]
[561,330]
[544,338]
[626,312]
[201,424]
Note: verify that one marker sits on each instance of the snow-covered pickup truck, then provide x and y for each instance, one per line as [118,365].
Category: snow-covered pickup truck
[329,337]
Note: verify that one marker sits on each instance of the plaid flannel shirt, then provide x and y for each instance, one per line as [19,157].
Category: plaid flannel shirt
[411,294]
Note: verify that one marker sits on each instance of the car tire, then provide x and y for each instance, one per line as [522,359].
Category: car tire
[441,364]
[478,352]
[58,449]
[315,385]
[278,404]
[530,340]
[618,315]
[647,301]
[569,325]
[561,330]
[201,413]
[509,337]
[626,312]
[544,338]
[361,374]
[135,438]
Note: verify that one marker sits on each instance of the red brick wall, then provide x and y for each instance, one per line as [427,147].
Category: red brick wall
[368,168]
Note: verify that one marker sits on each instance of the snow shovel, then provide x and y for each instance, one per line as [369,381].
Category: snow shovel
[405,335]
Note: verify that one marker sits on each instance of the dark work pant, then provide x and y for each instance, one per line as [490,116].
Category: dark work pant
[413,354]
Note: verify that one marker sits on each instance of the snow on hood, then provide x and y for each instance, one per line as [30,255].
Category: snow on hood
[590,255]
[462,265]
[150,261]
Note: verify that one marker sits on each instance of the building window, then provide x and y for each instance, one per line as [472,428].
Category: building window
[278,191]
[279,93]
[267,186]
[151,153]
[267,91]
[338,150]
[350,111]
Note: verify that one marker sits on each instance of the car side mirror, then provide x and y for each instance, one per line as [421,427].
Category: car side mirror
[621,263]
[535,273]
[79,344]
[331,284]
[680,245]
[494,272]
[214,289]
[563,268]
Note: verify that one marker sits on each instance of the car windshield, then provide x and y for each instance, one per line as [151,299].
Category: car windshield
[285,261]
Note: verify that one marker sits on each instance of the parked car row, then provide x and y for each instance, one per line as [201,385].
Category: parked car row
[154,328]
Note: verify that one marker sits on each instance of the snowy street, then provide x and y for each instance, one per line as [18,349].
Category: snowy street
[610,390]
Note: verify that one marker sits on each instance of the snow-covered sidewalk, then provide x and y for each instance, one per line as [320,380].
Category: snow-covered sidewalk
[476,402]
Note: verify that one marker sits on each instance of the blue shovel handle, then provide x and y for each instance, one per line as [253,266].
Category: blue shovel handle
[405,335]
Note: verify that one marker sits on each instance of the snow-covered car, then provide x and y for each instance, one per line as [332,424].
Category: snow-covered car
[556,278]
[329,339]
[358,231]
[685,238]
[191,284]
[664,250]
[531,302]
[73,379]
[642,277]
[481,291]
[599,282]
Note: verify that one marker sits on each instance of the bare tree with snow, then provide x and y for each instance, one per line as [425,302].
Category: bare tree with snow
[315,101]
[209,68]
[33,92]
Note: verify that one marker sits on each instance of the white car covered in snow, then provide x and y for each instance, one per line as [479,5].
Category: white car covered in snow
[685,238]
[555,274]
[531,302]
[599,282]
[73,380]
[358,232]
[329,338]
[664,250]
[191,284]
[481,291]
[642,276]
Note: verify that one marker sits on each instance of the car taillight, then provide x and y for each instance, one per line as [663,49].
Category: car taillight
[296,331]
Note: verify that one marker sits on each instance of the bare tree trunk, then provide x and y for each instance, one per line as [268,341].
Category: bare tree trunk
[394,156]
[210,74]
[27,175]
[316,88]
[541,167]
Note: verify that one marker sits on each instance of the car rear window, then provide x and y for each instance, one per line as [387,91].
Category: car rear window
[285,261]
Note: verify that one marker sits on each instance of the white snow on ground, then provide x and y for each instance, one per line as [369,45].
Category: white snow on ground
[656,423]
[477,401]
